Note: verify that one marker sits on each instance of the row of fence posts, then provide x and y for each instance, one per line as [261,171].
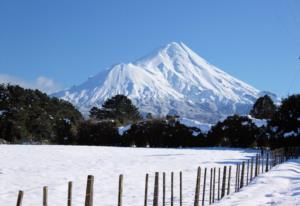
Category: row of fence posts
[245,172]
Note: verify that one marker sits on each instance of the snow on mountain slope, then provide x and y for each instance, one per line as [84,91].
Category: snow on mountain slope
[171,80]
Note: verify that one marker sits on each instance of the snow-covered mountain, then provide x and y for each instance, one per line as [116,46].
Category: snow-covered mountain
[171,80]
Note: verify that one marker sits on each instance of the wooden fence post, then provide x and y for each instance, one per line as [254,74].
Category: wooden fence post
[45,196]
[172,188]
[20,198]
[262,164]
[120,190]
[236,178]
[155,193]
[210,185]
[204,183]
[242,175]
[214,183]
[164,189]
[248,163]
[89,191]
[251,171]
[229,178]
[224,182]
[197,190]
[256,165]
[219,180]
[70,185]
[146,190]
[267,163]
[180,188]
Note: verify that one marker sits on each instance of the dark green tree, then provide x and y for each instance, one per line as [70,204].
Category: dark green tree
[285,124]
[98,133]
[235,131]
[65,132]
[30,115]
[118,108]
[161,133]
[264,108]
[149,116]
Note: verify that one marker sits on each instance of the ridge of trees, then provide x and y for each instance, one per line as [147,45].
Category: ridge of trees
[30,116]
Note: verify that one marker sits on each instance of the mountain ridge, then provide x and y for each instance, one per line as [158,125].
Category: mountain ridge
[171,80]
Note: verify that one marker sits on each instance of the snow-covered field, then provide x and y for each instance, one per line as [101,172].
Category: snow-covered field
[280,187]
[29,168]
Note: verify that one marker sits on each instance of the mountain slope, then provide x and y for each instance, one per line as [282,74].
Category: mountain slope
[173,79]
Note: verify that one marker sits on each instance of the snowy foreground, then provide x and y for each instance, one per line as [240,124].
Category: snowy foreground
[29,168]
[280,186]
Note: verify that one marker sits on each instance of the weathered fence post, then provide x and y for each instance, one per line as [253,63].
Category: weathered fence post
[146,190]
[256,166]
[172,188]
[242,175]
[120,190]
[164,189]
[271,160]
[214,183]
[248,163]
[229,178]
[251,171]
[197,190]
[204,183]
[262,164]
[45,196]
[219,180]
[274,159]
[70,185]
[20,198]
[155,193]
[267,162]
[180,188]
[89,191]
[236,177]
[210,185]
[224,182]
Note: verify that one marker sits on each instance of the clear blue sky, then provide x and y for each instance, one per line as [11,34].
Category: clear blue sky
[257,41]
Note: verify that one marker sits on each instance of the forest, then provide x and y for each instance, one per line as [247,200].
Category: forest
[32,117]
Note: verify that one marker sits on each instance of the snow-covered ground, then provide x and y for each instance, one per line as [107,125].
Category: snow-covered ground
[280,187]
[29,168]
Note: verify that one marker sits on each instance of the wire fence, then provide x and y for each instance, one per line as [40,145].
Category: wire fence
[211,184]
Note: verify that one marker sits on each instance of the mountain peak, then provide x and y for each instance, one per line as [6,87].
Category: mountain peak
[175,45]
[172,78]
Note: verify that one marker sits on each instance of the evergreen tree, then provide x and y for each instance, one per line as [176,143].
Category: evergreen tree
[118,108]
[285,124]
[264,108]
[161,133]
[30,115]
[149,116]
[235,131]
[98,133]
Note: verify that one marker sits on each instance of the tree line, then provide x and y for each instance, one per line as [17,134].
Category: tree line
[30,116]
